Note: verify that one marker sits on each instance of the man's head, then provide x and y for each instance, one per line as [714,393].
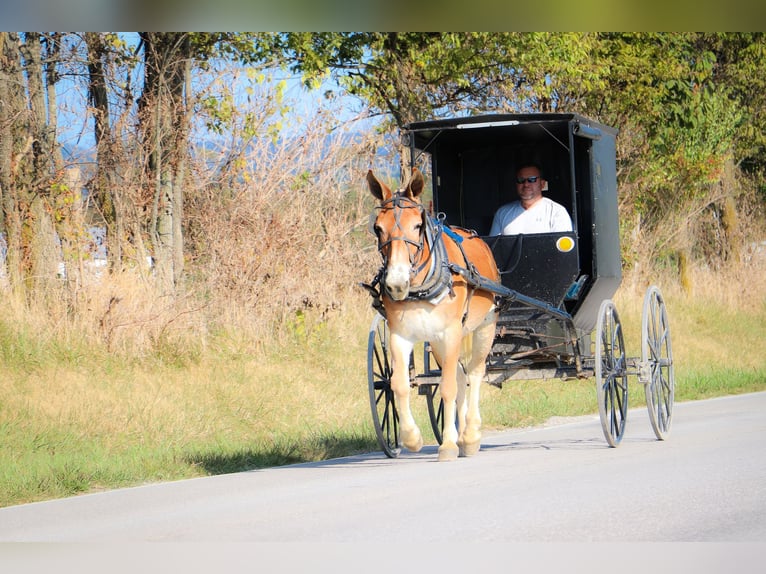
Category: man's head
[529,184]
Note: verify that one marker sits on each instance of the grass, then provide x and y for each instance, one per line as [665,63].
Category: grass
[76,417]
[74,425]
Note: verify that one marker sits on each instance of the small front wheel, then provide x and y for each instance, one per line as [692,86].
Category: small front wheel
[433,397]
[379,370]
[611,373]
[435,411]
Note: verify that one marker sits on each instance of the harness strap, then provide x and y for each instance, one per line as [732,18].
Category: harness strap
[438,280]
[451,234]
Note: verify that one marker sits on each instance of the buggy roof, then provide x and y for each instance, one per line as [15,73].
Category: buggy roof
[527,126]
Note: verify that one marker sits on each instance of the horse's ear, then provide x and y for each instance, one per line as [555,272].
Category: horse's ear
[417,183]
[377,188]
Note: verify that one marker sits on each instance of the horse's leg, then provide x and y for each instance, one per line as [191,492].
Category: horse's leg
[400,384]
[449,389]
[461,406]
[470,437]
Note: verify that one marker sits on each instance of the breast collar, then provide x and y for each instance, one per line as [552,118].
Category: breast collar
[438,281]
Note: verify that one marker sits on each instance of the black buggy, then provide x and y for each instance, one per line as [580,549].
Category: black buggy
[556,316]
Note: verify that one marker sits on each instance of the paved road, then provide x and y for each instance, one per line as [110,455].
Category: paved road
[558,482]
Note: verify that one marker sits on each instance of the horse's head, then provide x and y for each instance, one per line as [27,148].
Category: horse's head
[400,228]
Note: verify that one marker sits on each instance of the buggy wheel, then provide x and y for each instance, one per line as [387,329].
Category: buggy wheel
[611,373]
[433,399]
[384,415]
[657,363]
[435,411]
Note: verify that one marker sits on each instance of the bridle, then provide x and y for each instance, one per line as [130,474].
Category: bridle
[398,203]
[438,279]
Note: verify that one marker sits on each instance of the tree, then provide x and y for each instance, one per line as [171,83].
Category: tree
[164,123]
[685,103]
[31,162]
[411,76]
[677,132]
[164,111]
[109,189]
[740,66]
[12,105]
[689,107]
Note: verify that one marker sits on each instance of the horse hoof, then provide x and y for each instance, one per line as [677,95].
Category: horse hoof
[469,449]
[414,443]
[415,447]
[448,453]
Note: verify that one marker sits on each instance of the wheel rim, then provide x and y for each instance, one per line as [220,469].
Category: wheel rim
[435,404]
[657,358]
[611,374]
[382,404]
[435,412]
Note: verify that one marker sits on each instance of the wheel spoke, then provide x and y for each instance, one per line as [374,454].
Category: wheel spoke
[657,355]
[384,415]
[433,397]
[611,378]
[613,419]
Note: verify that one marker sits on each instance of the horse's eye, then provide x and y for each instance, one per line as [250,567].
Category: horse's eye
[419,227]
[378,230]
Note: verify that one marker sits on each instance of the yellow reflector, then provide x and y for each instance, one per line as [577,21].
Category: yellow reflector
[565,244]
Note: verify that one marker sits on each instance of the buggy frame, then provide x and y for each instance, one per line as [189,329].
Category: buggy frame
[556,317]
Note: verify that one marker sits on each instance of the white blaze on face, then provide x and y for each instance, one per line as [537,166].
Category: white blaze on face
[398,280]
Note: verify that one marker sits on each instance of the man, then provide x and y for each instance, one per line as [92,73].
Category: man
[531,213]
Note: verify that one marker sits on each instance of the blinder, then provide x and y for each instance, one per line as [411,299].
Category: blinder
[399,202]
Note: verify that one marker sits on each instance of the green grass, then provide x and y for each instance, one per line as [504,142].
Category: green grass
[76,419]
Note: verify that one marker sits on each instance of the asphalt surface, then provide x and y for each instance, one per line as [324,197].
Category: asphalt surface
[554,483]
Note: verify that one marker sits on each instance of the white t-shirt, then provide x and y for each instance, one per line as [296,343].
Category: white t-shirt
[544,216]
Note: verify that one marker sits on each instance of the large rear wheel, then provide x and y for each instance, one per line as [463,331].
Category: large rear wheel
[435,411]
[431,391]
[384,415]
[611,373]
[657,362]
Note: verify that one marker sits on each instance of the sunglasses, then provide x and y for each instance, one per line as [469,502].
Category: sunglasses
[530,179]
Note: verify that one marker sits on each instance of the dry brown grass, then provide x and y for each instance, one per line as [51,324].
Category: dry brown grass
[270,245]
[276,236]
[718,324]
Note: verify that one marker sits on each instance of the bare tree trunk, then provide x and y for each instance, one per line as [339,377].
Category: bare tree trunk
[105,188]
[162,224]
[165,121]
[179,189]
[406,107]
[730,217]
[11,107]
[69,221]
[51,79]
[45,252]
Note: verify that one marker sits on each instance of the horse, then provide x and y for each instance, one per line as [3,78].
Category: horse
[429,293]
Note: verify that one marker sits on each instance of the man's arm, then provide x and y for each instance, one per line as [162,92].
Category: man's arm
[560,220]
[497,222]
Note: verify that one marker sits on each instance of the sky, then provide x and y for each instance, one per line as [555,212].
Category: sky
[76,128]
